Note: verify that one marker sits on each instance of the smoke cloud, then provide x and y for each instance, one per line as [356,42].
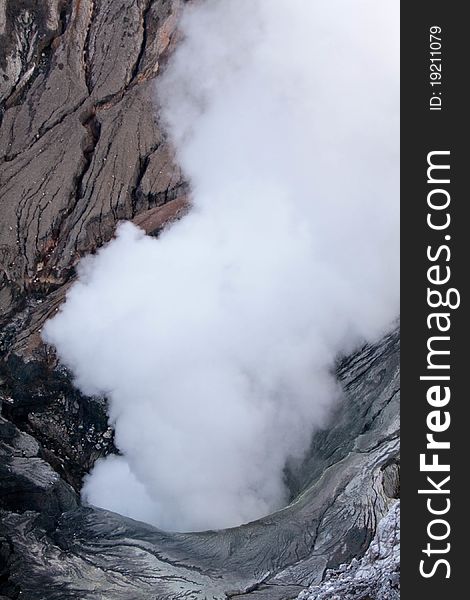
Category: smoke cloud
[215,344]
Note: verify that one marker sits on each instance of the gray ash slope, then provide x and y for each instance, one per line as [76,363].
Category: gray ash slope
[376,575]
[54,549]
[77,121]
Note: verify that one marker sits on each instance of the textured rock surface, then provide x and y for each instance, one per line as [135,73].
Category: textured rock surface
[72,430]
[376,575]
[80,149]
[27,482]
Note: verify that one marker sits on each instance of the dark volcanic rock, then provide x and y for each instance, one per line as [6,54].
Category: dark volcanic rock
[27,482]
[80,149]
[73,430]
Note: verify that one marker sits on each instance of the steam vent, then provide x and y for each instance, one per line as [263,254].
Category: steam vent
[202,403]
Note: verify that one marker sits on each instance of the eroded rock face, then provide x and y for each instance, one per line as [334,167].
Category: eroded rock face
[80,145]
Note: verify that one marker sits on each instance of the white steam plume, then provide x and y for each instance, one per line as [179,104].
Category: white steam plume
[215,343]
